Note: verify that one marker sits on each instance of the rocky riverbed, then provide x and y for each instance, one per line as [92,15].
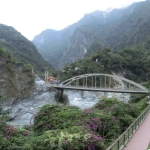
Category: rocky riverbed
[22,113]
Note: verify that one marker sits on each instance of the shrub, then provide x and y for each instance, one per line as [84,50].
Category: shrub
[68,139]
[12,138]
[52,117]
[106,102]
[69,128]
[10,68]
[27,67]
[101,122]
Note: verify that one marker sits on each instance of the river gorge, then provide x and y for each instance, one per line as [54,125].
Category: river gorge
[22,112]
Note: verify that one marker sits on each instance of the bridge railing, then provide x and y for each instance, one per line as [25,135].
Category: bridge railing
[103,81]
[124,138]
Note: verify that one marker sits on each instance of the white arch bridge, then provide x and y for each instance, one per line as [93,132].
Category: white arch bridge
[103,83]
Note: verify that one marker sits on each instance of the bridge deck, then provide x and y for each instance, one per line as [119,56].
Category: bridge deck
[141,138]
[100,89]
[103,83]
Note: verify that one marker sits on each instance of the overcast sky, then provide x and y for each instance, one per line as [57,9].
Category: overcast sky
[31,17]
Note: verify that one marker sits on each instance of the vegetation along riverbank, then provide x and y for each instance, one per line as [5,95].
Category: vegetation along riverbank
[70,128]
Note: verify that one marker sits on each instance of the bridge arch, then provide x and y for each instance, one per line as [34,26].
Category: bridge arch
[104,81]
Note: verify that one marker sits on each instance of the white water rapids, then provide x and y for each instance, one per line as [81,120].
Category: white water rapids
[23,112]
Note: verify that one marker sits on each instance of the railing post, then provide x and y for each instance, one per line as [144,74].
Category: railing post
[109,82]
[105,81]
[124,137]
[86,81]
[100,82]
[83,82]
[128,134]
[95,81]
[142,117]
[118,145]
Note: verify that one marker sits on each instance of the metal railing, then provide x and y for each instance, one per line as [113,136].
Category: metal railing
[124,138]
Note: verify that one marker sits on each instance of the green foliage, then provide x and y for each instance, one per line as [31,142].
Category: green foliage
[108,118]
[73,138]
[50,118]
[4,53]
[16,78]
[134,98]
[13,139]
[68,127]
[21,49]
[67,124]
[27,67]
[64,128]
[133,62]
[125,113]
[1,102]
[121,28]
[106,102]
[10,68]
[3,114]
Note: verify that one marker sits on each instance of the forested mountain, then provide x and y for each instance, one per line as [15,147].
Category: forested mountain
[18,57]
[117,29]
[132,63]
[21,49]
[16,81]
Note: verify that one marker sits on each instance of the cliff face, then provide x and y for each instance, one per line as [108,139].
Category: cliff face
[70,44]
[117,29]
[18,56]
[16,80]
[77,48]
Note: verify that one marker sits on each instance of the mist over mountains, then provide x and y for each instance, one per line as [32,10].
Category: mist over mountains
[117,29]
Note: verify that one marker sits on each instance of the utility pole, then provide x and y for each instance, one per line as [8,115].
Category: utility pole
[46,76]
[32,71]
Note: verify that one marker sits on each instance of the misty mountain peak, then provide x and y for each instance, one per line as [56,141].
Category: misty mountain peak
[117,29]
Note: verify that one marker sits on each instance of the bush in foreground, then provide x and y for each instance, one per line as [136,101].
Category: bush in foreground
[69,128]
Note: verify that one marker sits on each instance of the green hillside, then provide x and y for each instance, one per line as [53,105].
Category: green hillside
[132,63]
[132,29]
[16,80]
[21,49]
[18,58]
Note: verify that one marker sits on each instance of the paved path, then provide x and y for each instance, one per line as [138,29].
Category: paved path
[141,138]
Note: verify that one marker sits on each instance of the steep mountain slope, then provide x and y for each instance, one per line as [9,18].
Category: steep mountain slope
[117,29]
[132,29]
[16,81]
[54,45]
[132,63]
[21,49]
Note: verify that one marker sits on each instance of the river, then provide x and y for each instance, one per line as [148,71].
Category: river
[22,113]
